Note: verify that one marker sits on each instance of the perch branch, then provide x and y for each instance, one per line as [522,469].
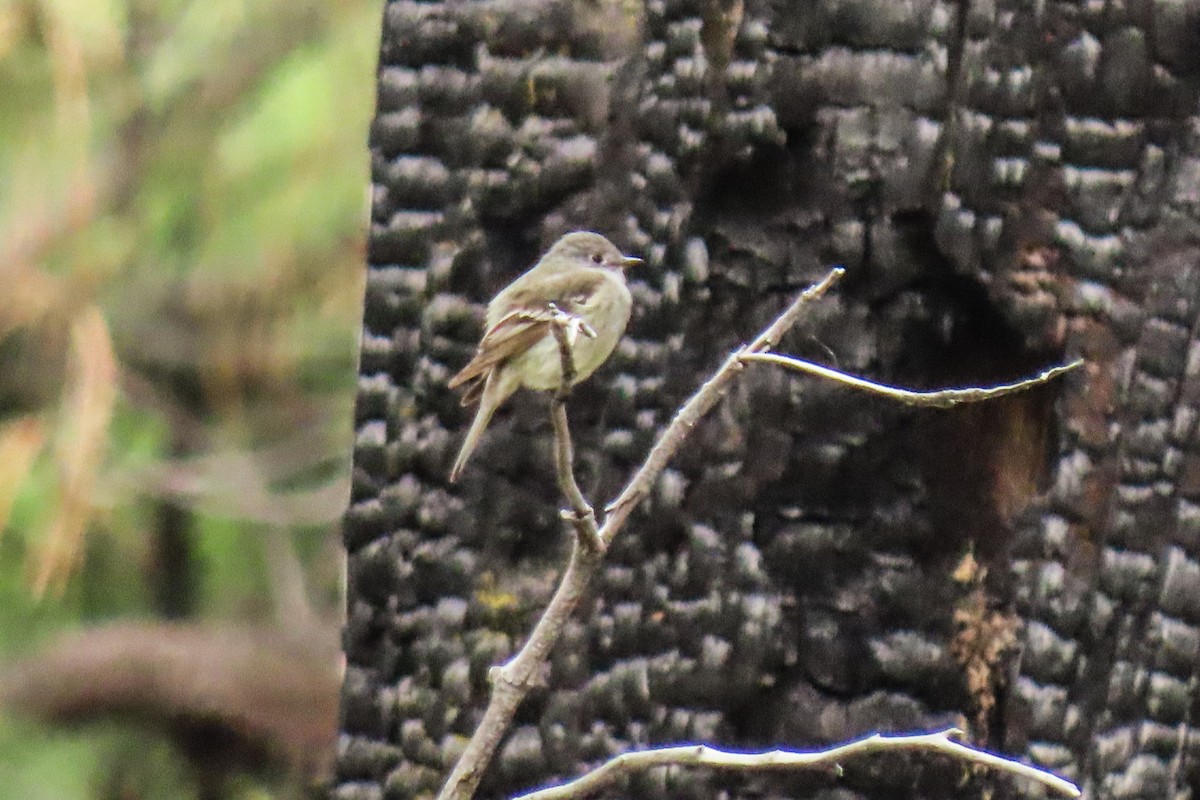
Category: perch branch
[625,764]
[942,398]
[581,516]
[511,682]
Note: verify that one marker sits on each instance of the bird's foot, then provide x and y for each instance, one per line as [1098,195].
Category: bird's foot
[571,325]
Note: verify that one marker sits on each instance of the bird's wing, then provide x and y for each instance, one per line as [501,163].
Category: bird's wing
[515,333]
[522,327]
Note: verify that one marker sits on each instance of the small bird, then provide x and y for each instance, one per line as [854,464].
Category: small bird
[582,275]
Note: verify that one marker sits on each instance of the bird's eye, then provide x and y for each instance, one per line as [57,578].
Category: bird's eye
[597,258]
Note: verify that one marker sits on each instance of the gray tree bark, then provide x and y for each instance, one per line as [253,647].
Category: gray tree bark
[1007,183]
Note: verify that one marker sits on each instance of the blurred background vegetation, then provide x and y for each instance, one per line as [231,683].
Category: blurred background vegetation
[183,196]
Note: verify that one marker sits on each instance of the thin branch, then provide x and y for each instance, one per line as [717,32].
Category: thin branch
[701,403]
[942,398]
[566,328]
[581,515]
[625,764]
[511,682]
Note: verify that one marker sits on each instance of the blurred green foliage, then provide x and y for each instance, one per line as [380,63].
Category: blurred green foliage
[183,199]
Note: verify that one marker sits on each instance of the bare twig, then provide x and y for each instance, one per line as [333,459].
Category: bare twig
[943,398]
[581,515]
[701,403]
[566,328]
[514,680]
[703,756]
[511,682]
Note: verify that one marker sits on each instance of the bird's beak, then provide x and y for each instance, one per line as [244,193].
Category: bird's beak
[629,261]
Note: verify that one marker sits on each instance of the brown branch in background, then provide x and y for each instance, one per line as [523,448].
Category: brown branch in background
[233,698]
[607,774]
[511,682]
[942,398]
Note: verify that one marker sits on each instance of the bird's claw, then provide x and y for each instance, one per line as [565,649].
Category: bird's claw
[571,325]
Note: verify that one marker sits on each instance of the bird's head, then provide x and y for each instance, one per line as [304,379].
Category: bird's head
[587,249]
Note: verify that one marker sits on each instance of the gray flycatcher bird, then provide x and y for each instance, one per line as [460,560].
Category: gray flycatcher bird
[582,275]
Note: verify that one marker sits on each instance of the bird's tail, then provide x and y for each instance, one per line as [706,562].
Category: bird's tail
[493,395]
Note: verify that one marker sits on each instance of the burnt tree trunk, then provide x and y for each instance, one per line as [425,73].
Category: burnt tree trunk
[1008,184]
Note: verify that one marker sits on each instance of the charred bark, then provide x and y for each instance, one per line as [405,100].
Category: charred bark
[1006,183]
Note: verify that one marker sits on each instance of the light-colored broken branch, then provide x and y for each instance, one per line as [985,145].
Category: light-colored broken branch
[608,774]
[941,398]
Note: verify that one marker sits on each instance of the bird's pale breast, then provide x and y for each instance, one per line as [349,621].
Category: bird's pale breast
[607,312]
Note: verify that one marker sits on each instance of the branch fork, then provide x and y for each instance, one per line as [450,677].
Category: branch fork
[527,669]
